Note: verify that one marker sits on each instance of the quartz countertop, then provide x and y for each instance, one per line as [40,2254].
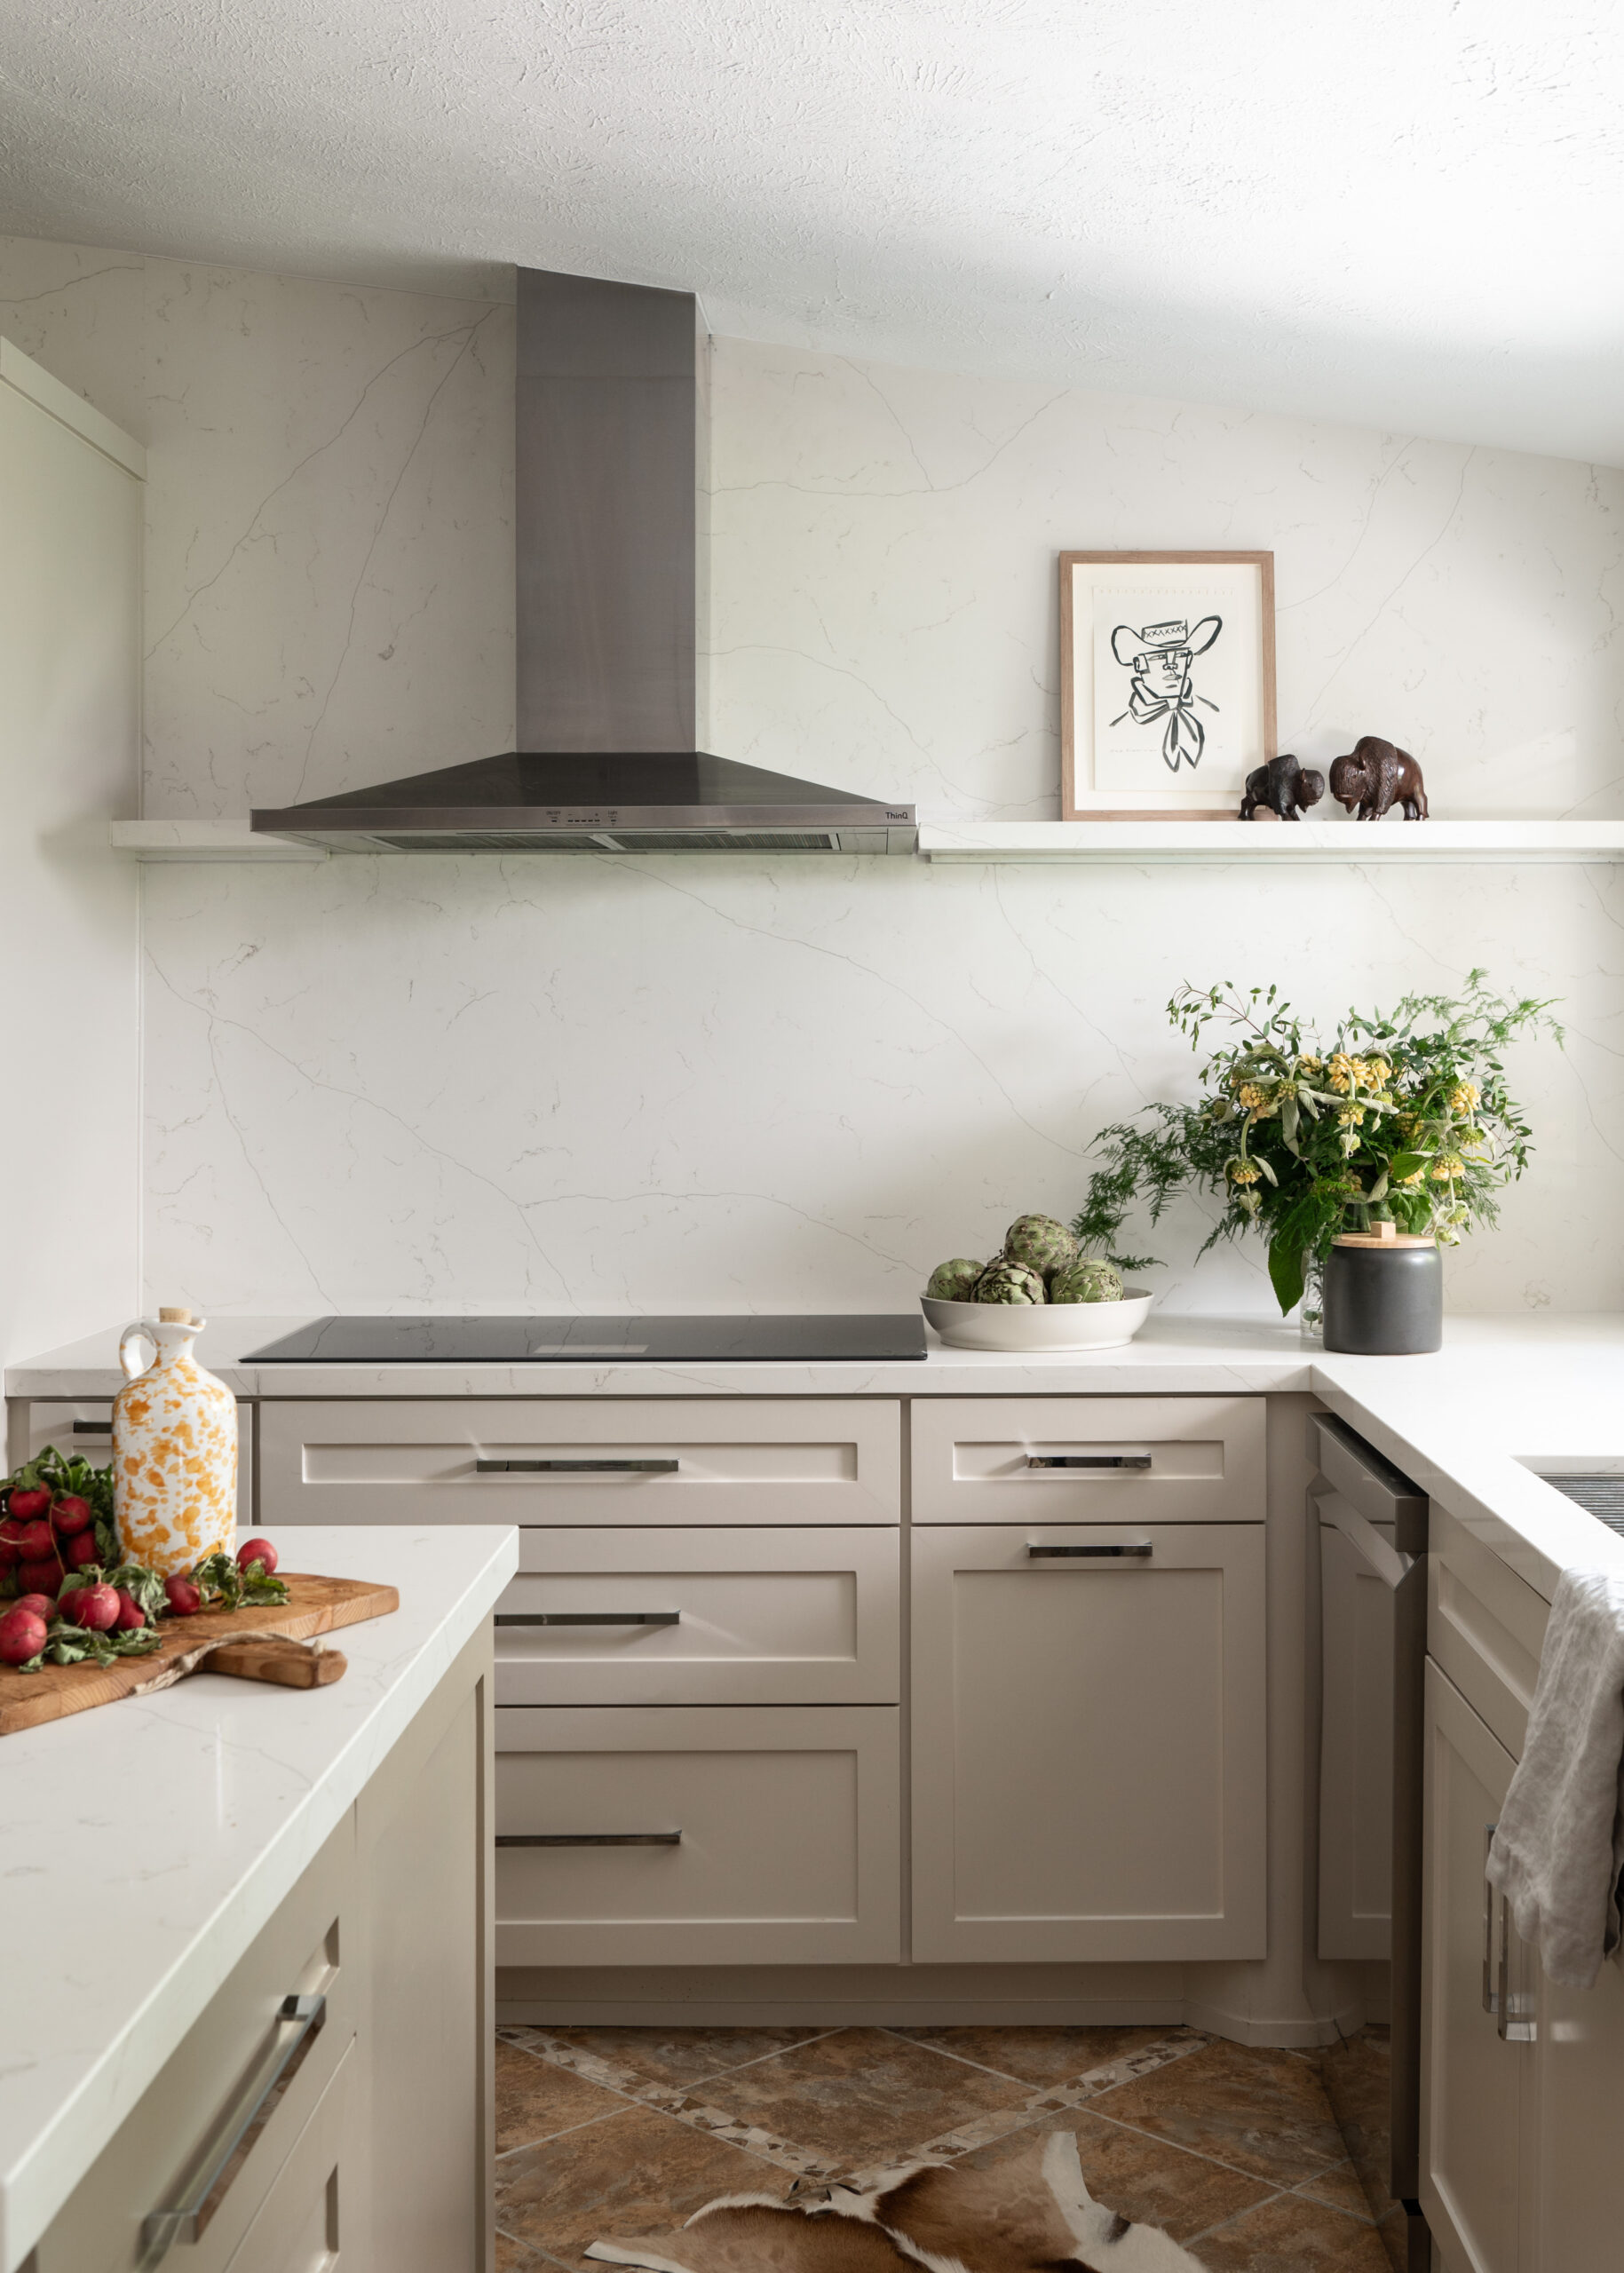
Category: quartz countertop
[147,1843]
[1502,1390]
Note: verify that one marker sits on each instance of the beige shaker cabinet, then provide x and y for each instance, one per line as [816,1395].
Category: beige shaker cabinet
[1088,1742]
[588,1461]
[692,1835]
[1473,2077]
[1521,2164]
[369,2114]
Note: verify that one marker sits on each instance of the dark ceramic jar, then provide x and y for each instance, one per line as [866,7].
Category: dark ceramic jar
[1384,1295]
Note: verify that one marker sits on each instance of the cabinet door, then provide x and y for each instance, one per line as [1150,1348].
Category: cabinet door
[1356,1752]
[85,1426]
[1472,2078]
[1088,1742]
[1576,2170]
[697,1835]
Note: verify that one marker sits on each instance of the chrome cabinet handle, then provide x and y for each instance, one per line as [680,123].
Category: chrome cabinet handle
[588,1617]
[1088,1460]
[1525,2029]
[296,2019]
[1491,2002]
[1139,1550]
[588,1839]
[575,1467]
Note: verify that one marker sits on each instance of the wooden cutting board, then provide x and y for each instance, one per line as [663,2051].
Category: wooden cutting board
[257,1644]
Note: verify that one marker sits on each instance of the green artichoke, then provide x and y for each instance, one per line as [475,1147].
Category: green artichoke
[1004,1281]
[954,1281]
[1040,1242]
[1089,1281]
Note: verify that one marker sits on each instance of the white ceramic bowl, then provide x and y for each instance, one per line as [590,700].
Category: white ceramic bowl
[1039,1325]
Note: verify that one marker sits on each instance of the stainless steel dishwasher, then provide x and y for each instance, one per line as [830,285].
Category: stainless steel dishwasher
[1372,1523]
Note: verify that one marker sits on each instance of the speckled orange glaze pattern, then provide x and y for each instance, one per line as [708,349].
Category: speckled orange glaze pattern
[174,1457]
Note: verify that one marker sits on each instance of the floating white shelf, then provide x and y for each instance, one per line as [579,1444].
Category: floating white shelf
[1217,842]
[1127,844]
[204,840]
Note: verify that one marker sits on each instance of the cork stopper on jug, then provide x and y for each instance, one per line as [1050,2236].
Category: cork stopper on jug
[179,1318]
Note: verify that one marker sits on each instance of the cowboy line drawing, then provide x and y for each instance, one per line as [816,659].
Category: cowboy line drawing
[1160,658]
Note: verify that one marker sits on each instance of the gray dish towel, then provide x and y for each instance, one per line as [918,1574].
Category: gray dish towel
[1559,1849]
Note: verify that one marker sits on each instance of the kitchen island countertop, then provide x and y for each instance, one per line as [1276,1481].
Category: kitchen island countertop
[148,1841]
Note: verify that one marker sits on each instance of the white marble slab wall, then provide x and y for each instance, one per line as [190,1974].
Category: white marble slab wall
[486,1082]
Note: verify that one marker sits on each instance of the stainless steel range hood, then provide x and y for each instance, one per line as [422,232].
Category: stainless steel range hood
[611,530]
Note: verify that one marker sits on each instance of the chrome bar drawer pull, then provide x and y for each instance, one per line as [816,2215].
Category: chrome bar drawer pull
[588,1617]
[575,1467]
[588,1839]
[296,2019]
[92,1427]
[1139,1550]
[1088,1460]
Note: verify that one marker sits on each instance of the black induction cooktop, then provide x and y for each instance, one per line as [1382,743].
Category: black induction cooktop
[636,1340]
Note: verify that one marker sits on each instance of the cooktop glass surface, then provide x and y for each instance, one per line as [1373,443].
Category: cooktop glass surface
[650,1340]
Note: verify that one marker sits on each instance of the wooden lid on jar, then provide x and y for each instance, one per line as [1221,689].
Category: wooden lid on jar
[1385,1235]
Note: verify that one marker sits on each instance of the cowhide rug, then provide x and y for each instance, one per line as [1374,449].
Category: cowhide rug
[1030,2215]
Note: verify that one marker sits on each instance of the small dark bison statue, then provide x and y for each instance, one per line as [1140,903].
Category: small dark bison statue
[1374,777]
[1282,787]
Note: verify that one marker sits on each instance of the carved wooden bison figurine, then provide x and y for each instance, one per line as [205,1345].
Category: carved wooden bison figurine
[1282,787]
[1375,777]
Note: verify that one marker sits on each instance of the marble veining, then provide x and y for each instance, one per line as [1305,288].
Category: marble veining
[527,1082]
[192,1814]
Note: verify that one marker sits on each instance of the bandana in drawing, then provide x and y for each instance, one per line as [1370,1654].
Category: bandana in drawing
[1160,658]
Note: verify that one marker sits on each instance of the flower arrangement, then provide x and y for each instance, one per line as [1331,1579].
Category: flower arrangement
[1404,1118]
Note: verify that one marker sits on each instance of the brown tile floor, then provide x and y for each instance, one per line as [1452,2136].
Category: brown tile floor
[627,2130]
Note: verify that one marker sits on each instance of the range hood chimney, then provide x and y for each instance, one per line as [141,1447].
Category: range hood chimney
[613,424]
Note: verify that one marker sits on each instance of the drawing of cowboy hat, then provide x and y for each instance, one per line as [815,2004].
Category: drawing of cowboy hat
[1126,645]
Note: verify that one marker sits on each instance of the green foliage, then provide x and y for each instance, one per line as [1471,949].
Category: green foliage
[1405,1118]
[226,1585]
[72,1472]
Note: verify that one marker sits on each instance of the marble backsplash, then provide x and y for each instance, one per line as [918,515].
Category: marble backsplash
[512,1082]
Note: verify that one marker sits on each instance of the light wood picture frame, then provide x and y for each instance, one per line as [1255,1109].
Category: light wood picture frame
[1167,667]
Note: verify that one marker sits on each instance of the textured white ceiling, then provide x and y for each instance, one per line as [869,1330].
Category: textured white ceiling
[1402,212]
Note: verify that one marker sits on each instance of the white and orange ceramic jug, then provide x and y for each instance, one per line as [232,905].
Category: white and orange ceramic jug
[174,1449]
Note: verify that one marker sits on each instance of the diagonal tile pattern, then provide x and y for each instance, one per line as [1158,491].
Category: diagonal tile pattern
[632,2130]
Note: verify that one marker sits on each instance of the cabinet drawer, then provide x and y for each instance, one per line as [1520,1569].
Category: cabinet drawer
[309,2213]
[981,1460]
[739,1616]
[675,1460]
[785,1845]
[188,2113]
[86,1426]
[1089,1743]
[1485,1628]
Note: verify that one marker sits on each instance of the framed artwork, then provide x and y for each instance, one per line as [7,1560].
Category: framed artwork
[1166,682]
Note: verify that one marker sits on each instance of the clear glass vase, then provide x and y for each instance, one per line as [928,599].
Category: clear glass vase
[1310,1310]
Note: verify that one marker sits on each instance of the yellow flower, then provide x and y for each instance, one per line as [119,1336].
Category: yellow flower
[1413,1177]
[1310,1065]
[1381,1072]
[1243,1172]
[1446,1165]
[1342,1070]
[1465,1100]
[1253,1097]
[1351,1116]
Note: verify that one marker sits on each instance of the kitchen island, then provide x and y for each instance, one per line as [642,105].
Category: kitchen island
[177,1864]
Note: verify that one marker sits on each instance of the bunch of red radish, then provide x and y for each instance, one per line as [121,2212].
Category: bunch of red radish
[99,1608]
[44,1536]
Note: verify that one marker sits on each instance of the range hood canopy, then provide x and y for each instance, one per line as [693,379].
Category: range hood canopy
[611,527]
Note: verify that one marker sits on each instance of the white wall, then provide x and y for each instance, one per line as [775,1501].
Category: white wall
[484,1082]
[70,533]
